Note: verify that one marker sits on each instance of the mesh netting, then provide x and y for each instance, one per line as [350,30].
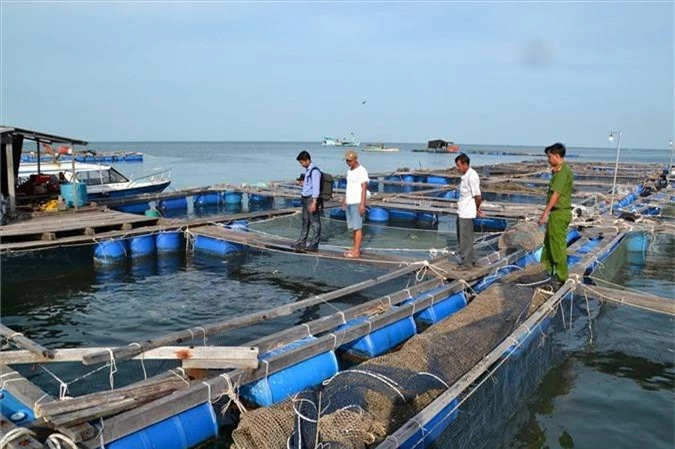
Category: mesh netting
[361,405]
[525,235]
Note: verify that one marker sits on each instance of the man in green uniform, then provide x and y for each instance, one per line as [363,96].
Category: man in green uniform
[558,213]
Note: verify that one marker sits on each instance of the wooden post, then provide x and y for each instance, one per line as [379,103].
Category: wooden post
[11,180]
[24,342]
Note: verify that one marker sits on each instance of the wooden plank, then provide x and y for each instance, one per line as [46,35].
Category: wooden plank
[158,387]
[645,301]
[41,225]
[24,342]
[236,354]
[21,388]
[25,441]
[285,244]
[163,225]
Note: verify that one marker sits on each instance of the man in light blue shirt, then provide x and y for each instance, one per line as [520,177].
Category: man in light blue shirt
[311,205]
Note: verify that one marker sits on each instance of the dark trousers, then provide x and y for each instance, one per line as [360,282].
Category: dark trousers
[465,237]
[311,221]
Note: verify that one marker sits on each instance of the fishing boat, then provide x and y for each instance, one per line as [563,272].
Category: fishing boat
[352,141]
[380,148]
[102,181]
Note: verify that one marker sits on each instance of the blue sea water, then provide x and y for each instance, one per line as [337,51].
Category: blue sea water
[622,384]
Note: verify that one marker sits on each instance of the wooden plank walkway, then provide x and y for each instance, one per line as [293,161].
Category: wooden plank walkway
[284,245]
[161,225]
[63,223]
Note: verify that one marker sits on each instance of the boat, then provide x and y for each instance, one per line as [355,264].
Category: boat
[103,181]
[380,148]
[346,142]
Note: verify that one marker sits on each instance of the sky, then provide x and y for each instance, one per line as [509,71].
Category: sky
[516,73]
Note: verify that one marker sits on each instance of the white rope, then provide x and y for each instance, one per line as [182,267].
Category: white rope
[309,331]
[424,373]
[203,332]
[181,377]
[231,393]
[15,434]
[63,386]
[55,439]
[387,381]
[113,369]
[100,434]
[145,374]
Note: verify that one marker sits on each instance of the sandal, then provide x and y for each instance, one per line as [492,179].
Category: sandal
[351,255]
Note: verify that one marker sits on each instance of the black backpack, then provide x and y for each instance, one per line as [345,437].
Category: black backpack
[326,183]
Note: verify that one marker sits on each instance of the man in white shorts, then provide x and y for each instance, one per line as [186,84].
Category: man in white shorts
[354,203]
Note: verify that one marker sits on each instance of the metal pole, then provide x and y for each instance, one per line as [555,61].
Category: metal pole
[616,170]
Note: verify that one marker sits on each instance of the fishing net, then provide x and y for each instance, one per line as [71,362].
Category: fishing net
[361,405]
[525,235]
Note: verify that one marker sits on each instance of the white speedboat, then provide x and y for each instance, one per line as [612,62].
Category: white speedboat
[102,181]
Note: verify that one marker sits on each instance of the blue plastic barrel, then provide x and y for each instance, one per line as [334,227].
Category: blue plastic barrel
[12,408]
[489,224]
[340,183]
[183,431]
[588,246]
[257,199]
[338,214]
[451,195]
[138,208]
[233,208]
[111,251]
[402,215]
[74,193]
[374,185]
[381,340]
[441,309]
[392,188]
[215,247]
[426,435]
[207,199]
[293,202]
[408,178]
[427,217]
[378,214]
[169,242]
[440,180]
[232,197]
[241,226]
[142,246]
[172,204]
[278,386]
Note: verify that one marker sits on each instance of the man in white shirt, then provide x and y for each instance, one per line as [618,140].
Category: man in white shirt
[468,207]
[354,203]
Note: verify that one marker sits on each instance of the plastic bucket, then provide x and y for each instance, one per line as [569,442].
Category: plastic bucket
[74,194]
